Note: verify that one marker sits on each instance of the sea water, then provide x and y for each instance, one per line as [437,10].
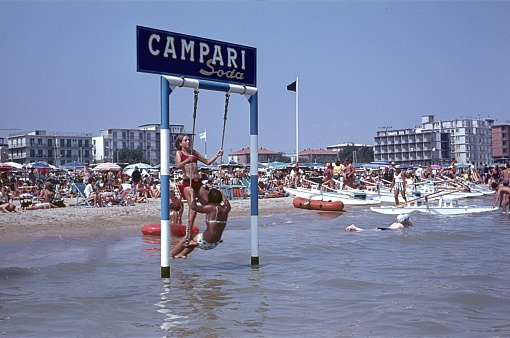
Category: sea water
[446,276]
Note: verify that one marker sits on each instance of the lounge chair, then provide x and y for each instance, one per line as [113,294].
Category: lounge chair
[123,197]
[80,193]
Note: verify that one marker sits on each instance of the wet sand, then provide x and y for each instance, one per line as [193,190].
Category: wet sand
[84,221]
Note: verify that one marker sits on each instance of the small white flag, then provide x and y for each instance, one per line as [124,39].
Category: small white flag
[202,135]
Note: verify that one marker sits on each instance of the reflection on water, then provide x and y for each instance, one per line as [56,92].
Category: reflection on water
[188,299]
[197,306]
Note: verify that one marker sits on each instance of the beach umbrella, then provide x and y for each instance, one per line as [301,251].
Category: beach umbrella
[277,165]
[15,165]
[6,167]
[129,172]
[107,167]
[140,166]
[38,165]
[74,164]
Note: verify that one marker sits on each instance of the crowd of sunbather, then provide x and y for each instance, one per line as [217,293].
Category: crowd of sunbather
[27,191]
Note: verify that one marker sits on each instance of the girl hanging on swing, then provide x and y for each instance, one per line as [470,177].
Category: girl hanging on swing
[186,159]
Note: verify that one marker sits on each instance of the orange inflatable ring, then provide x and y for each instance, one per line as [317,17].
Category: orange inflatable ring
[178,230]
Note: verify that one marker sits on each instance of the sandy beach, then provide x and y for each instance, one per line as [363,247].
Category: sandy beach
[84,221]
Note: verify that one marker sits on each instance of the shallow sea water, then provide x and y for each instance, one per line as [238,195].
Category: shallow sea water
[444,276]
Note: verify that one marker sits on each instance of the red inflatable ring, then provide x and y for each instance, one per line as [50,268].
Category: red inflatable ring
[176,230]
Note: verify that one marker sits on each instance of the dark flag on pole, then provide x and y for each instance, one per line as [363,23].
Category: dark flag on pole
[292,86]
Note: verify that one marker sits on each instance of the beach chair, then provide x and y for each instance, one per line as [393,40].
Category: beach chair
[124,197]
[80,193]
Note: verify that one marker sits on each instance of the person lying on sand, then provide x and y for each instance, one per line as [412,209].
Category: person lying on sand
[9,207]
[38,206]
[402,223]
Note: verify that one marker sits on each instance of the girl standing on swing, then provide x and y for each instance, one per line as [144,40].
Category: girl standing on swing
[187,159]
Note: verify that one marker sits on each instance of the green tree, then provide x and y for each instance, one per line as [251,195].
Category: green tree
[363,154]
[282,158]
[125,155]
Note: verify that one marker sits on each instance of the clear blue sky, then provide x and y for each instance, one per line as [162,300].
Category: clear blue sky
[71,66]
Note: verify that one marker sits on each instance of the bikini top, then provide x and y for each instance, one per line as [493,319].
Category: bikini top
[207,220]
[184,157]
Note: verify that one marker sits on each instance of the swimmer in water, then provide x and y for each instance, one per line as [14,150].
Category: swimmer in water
[402,223]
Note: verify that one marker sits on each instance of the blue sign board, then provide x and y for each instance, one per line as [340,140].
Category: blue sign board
[176,54]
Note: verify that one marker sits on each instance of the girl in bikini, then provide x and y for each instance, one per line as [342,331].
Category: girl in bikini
[187,162]
[216,212]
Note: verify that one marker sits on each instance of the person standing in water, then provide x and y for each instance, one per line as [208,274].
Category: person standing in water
[398,184]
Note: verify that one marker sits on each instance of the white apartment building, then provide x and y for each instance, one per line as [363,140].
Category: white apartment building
[146,137]
[56,148]
[438,142]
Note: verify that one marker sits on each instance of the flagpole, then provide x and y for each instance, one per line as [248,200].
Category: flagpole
[294,87]
[205,143]
[297,124]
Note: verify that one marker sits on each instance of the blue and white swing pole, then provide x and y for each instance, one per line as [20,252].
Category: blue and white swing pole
[168,85]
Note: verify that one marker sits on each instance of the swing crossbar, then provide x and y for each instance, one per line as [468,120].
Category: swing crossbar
[175,81]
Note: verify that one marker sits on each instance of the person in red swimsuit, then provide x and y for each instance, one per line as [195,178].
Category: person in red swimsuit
[187,162]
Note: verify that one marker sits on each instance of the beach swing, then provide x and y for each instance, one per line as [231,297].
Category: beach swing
[192,143]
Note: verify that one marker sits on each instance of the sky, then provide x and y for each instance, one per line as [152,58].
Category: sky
[70,66]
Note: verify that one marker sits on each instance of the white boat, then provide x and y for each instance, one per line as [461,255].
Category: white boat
[442,207]
[346,198]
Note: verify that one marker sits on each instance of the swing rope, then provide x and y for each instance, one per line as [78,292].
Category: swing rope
[227,99]
[195,105]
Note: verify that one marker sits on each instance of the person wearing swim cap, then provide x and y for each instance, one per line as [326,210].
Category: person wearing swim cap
[403,221]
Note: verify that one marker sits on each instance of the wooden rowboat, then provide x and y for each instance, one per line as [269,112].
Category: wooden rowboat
[303,203]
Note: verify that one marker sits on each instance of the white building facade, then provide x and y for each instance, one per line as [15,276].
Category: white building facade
[56,148]
[437,142]
[146,137]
